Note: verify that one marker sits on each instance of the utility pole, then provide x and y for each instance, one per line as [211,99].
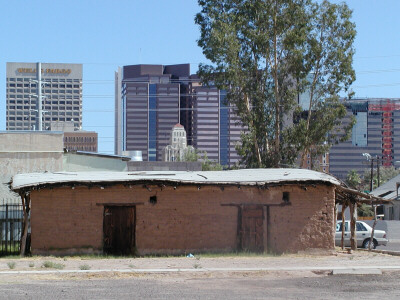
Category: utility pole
[372,175]
[377,169]
[39,99]
[371,159]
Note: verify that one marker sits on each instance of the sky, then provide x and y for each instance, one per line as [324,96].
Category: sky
[103,35]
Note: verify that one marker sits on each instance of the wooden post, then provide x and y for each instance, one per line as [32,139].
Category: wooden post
[336,213]
[343,224]
[25,207]
[1,232]
[371,240]
[353,221]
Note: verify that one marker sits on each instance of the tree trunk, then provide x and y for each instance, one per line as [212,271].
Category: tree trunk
[277,100]
[256,146]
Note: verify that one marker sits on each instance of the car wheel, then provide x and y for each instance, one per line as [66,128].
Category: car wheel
[366,244]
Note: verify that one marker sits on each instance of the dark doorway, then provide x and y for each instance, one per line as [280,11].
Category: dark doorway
[119,230]
[252,228]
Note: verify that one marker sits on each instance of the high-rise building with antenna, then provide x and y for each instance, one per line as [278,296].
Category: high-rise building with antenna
[61,95]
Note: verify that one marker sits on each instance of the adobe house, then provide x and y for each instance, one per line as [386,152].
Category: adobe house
[275,210]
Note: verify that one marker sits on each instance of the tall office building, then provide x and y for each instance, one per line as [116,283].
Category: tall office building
[151,99]
[61,91]
[214,125]
[376,132]
[147,107]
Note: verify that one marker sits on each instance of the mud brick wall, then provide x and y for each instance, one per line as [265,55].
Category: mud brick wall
[185,219]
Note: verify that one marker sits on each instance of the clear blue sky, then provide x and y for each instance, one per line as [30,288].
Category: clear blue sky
[103,35]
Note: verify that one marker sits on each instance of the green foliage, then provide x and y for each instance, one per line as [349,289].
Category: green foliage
[196,266]
[353,180]
[362,183]
[84,267]
[191,156]
[264,54]
[365,210]
[11,264]
[208,165]
[52,265]
[385,174]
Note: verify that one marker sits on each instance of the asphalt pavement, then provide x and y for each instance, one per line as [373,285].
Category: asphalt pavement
[248,286]
[392,229]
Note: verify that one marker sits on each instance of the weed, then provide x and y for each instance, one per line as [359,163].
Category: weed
[52,265]
[31,265]
[197,266]
[84,267]
[351,257]
[132,266]
[11,264]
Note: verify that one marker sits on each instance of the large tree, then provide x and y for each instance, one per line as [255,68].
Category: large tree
[265,53]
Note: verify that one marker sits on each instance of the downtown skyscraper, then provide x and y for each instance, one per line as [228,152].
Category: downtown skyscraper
[61,90]
[151,99]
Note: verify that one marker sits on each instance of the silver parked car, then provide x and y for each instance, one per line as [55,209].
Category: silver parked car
[363,233]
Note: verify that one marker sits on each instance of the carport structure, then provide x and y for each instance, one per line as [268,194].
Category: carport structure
[271,210]
[351,198]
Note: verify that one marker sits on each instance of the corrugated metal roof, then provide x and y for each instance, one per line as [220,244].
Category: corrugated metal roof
[242,177]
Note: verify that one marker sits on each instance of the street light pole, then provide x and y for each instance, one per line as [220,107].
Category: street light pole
[377,169]
[372,175]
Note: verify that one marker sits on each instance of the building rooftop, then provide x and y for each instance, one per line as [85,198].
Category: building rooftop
[243,177]
[79,152]
[388,189]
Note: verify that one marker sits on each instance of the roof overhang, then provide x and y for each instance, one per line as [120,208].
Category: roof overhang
[245,177]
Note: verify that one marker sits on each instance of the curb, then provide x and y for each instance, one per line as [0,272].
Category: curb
[390,252]
[352,268]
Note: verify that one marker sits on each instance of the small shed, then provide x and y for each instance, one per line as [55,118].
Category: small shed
[275,210]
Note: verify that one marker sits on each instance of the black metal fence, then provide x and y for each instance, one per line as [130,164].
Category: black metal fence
[11,220]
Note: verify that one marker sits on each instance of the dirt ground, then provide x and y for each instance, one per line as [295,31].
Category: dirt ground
[199,264]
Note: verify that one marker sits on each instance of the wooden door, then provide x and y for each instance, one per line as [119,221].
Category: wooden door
[119,230]
[252,228]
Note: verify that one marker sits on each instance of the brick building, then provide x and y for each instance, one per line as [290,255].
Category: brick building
[275,210]
[81,141]
[76,140]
